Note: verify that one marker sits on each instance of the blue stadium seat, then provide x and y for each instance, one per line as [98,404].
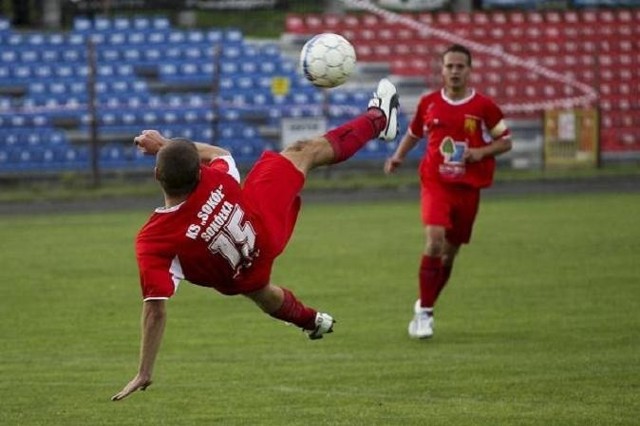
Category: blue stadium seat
[171,116]
[82,24]
[116,39]
[160,23]
[28,55]
[268,67]
[205,134]
[231,52]
[150,118]
[167,71]
[172,52]
[192,52]
[233,36]
[114,155]
[73,157]
[131,55]
[51,55]
[21,72]
[9,138]
[9,55]
[176,37]
[44,71]
[129,117]
[76,39]
[53,40]
[141,23]
[5,74]
[5,25]
[121,24]
[229,68]
[108,118]
[157,37]
[15,39]
[214,36]
[101,24]
[136,38]
[6,102]
[4,158]
[98,38]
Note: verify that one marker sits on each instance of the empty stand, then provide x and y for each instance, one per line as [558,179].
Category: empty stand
[598,47]
[148,74]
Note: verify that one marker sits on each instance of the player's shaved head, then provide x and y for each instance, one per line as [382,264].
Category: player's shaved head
[178,167]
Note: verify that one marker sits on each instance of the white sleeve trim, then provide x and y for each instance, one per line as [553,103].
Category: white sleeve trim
[498,130]
[233,168]
[155,298]
[176,273]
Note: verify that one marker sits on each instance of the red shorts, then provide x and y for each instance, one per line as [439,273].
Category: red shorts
[452,206]
[271,194]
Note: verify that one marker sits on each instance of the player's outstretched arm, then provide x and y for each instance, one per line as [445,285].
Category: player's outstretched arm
[407,143]
[154,317]
[135,384]
[149,142]
[208,152]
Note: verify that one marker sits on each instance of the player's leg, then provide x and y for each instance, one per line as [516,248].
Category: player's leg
[273,187]
[341,143]
[436,203]
[449,254]
[465,210]
[431,265]
[436,218]
[421,326]
[282,304]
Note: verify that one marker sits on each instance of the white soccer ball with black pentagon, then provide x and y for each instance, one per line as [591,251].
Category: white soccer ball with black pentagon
[327,60]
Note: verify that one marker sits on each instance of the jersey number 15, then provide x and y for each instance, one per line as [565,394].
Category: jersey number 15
[236,240]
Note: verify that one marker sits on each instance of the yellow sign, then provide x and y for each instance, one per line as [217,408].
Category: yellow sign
[280,86]
[571,138]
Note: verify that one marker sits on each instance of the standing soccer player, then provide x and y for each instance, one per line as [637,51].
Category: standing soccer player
[465,130]
[215,232]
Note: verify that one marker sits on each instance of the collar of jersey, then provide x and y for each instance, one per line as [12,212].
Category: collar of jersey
[169,209]
[459,102]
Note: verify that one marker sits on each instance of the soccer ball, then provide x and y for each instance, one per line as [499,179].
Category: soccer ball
[327,60]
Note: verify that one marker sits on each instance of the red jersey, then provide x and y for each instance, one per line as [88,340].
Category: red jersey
[451,127]
[208,239]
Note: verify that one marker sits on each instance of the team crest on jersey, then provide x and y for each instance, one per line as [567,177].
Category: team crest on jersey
[470,124]
[452,151]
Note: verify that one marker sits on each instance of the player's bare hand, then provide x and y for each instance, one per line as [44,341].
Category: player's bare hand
[391,164]
[138,383]
[150,141]
[472,155]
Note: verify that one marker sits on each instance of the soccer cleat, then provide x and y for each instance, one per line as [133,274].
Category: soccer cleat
[421,326]
[324,324]
[386,98]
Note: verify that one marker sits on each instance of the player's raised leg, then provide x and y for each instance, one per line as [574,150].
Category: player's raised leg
[337,145]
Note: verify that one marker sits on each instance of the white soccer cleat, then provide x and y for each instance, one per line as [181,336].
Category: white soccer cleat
[386,99]
[324,325]
[421,326]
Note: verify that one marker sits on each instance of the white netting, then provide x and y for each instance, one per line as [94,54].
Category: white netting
[588,94]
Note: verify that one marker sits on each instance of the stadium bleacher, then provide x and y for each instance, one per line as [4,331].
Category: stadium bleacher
[599,47]
[151,74]
[148,74]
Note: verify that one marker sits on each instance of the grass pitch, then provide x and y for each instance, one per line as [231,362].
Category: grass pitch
[539,325]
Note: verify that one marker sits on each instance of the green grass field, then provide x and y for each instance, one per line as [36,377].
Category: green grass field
[540,324]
